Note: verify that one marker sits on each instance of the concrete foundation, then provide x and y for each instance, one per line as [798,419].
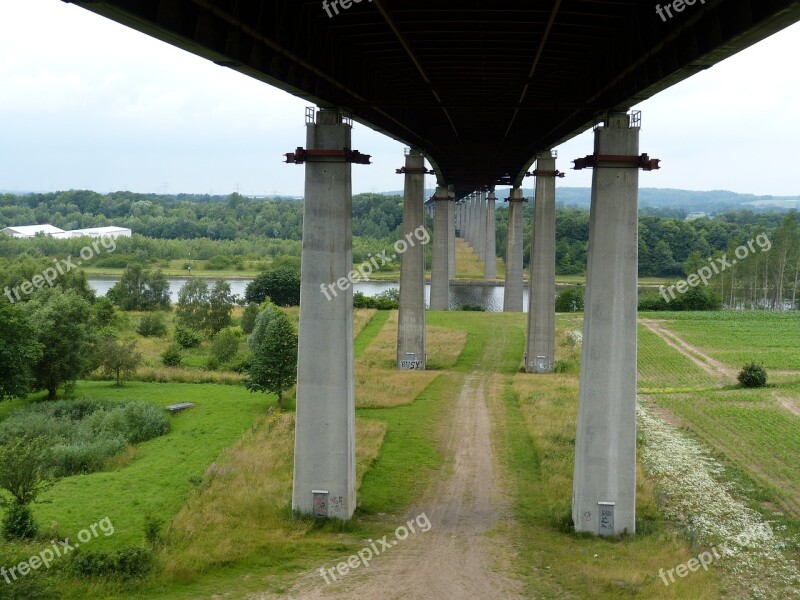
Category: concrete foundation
[411,316]
[490,254]
[604,485]
[324,454]
[540,347]
[440,279]
[512,296]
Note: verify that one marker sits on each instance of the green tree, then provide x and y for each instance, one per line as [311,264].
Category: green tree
[273,367]
[225,344]
[281,285]
[249,317]
[220,306]
[139,289]
[61,322]
[193,308]
[102,312]
[19,350]
[119,358]
[24,474]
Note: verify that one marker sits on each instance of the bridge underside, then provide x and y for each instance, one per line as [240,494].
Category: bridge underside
[480,87]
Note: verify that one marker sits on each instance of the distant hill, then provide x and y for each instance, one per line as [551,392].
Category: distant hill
[712,202]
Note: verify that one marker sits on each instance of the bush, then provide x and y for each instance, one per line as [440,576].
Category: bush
[225,344]
[187,338]
[472,308]
[152,325]
[695,299]
[171,357]
[85,456]
[752,375]
[126,563]
[18,522]
[362,301]
[570,300]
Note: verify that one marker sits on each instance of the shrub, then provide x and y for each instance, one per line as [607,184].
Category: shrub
[567,366]
[226,343]
[695,299]
[18,523]
[171,357]
[152,531]
[472,308]
[126,563]
[570,300]
[752,375]
[362,301]
[187,338]
[85,456]
[152,325]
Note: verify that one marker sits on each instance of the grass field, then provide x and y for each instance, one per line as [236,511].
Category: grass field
[221,479]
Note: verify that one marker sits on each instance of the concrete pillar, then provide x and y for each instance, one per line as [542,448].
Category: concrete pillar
[411,317]
[540,348]
[490,254]
[325,451]
[605,445]
[512,296]
[451,234]
[470,219]
[481,239]
[474,228]
[440,280]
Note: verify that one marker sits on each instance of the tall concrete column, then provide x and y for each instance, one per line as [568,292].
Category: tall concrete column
[604,485]
[481,241]
[411,316]
[440,280]
[490,254]
[512,296]
[451,234]
[325,452]
[470,219]
[474,233]
[540,348]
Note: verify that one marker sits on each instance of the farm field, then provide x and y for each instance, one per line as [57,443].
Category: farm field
[220,481]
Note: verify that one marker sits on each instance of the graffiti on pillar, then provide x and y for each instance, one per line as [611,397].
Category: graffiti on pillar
[320,503]
[336,503]
[606,518]
[411,365]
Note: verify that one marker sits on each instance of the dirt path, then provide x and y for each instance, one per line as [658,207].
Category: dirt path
[711,366]
[456,558]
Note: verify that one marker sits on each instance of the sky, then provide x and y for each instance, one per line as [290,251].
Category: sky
[86,103]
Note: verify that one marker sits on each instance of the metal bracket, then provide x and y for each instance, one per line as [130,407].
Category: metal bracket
[417,171]
[542,173]
[592,161]
[301,155]
[516,200]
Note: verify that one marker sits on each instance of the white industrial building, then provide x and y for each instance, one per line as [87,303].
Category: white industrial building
[29,231]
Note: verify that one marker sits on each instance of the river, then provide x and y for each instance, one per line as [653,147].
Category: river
[486,296]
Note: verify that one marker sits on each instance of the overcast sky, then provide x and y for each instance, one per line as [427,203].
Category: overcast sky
[86,103]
